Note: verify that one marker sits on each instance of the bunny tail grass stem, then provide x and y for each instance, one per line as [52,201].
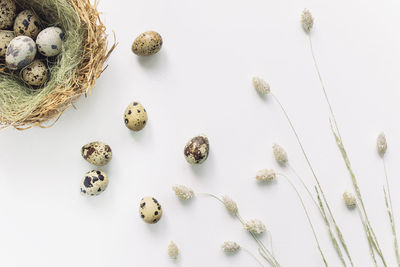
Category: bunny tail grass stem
[389,207]
[337,229]
[267,254]
[253,256]
[363,213]
[308,218]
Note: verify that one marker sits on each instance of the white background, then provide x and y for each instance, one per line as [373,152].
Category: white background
[200,82]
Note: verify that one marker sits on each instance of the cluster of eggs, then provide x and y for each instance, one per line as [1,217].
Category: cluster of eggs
[22,37]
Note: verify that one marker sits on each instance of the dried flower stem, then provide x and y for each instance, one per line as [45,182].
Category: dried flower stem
[264,251]
[253,256]
[325,201]
[389,208]
[308,218]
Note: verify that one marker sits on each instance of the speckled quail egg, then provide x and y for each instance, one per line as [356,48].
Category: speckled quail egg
[27,23]
[135,116]
[20,52]
[196,150]
[148,43]
[94,183]
[5,39]
[8,11]
[49,41]
[36,73]
[150,210]
[97,153]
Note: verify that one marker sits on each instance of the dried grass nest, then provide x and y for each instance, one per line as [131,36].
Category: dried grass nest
[72,73]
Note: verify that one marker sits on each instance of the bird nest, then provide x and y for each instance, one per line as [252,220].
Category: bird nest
[72,73]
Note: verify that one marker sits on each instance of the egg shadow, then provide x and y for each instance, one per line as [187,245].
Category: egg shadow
[207,167]
[153,61]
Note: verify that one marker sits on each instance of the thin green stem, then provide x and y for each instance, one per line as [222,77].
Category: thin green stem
[308,218]
[389,207]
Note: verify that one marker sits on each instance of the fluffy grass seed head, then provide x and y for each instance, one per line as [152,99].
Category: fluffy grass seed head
[230,205]
[280,154]
[381,144]
[255,226]
[349,199]
[266,175]
[173,251]
[230,247]
[307,20]
[261,86]
[183,192]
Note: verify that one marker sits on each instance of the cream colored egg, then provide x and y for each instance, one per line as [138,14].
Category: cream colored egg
[150,210]
[5,39]
[148,43]
[27,23]
[8,11]
[197,149]
[97,153]
[135,116]
[94,183]
[49,41]
[36,73]
[20,52]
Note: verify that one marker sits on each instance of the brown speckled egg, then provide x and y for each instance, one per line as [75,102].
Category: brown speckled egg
[8,11]
[148,43]
[27,23]
[36,73]
[97,153]
[135,116]
[94,183]
[150,210]
[5,39]
[20,52]
[196,150]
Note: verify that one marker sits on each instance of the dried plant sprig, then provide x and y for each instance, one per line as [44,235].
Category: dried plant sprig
[266,175]
[183,192]
[381,144]
[280,154]
[173,250]
[307,21]
[370,234]
[230,247]
[255,226]
[349,199]
[230,205]
[261,86]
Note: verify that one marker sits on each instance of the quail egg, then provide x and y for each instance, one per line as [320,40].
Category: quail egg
[94,183]
[97,153]
[150,210]
[36,73]
[27,23]
[135,116]
[8,11]
[20,52]
[148,43]
[49,41]
[5,39]
[196,150]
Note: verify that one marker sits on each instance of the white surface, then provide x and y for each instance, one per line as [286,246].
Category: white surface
[201,83]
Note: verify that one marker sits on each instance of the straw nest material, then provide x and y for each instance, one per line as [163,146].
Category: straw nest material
[72,73]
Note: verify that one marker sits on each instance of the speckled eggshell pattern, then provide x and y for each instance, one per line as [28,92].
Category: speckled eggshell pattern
[8,12]
[5,39]
[135,116]
[148,43]
[196,150]
[49,41]
[36,73]
[97,153]
[27,24]
[94,183]
[150,210]
[20,52]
